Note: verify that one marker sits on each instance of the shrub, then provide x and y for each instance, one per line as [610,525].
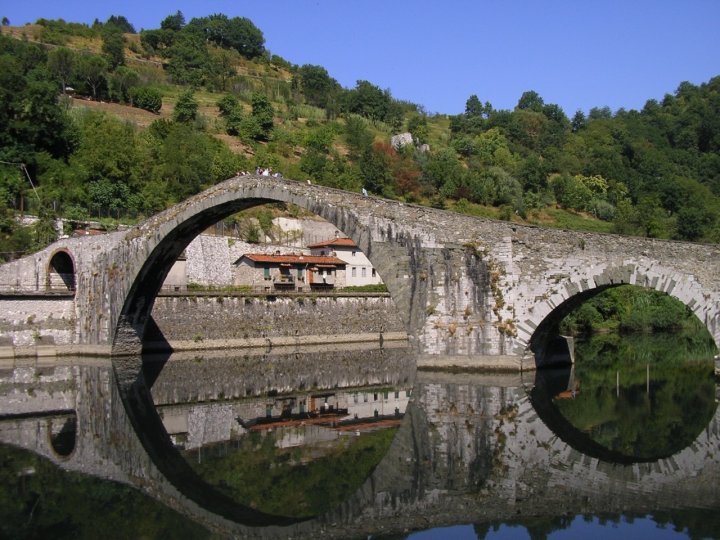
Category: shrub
[146,98]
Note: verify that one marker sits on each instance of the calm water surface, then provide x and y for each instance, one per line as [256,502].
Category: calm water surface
[296,441]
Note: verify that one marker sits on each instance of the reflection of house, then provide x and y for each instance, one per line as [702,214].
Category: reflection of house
[359,269]
[289,272]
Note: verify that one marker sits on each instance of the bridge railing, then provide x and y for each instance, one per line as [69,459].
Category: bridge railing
[57,284]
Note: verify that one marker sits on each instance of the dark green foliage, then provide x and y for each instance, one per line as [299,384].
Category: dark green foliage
[157,41]
[173,22]
[369,101]
[643,396]
[185,108]
[262,114]
[238,33]
[146,98]
[316,85]
[120,23]
[188,59]
[52,503]
[284,481]
[113,46]
[92,71]
[631,309]
[121,83]
[61,65]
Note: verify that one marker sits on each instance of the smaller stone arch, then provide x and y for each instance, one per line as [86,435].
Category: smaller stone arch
[545,316]
[61,272]
[62,432]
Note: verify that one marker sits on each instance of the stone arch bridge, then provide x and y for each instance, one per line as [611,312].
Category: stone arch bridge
[472,292]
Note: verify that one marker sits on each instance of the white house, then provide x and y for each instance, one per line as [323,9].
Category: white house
[359,270]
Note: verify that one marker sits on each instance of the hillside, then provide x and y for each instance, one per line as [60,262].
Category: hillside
[155,117]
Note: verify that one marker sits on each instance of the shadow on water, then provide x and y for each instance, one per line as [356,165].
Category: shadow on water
[628,400]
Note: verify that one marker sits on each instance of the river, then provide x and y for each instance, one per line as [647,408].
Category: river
[355,444]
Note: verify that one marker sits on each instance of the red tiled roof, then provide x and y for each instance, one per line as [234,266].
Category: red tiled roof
[335,242]
[294,259]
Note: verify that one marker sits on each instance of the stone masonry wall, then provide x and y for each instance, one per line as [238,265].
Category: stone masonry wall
[195,318]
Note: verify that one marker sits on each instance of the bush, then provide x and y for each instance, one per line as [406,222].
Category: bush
[146,98]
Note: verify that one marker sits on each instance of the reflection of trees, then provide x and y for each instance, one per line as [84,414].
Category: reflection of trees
[679,404]
[40,500]
[292,482]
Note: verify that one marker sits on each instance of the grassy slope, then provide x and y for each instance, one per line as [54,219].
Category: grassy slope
[263,74]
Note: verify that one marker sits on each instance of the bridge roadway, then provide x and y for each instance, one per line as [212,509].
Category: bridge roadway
[472,292]
[471,448]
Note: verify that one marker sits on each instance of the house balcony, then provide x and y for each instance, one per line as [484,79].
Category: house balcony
[284,282]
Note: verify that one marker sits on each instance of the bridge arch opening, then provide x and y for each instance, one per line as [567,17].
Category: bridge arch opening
[61,272]
[632,395]
[62,432]
[135,318]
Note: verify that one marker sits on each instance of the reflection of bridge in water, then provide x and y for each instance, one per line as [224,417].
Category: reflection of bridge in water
[471,447]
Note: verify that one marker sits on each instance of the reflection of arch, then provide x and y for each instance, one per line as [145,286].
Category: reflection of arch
[569,294]
[548,384]
[62,432]
[61,272]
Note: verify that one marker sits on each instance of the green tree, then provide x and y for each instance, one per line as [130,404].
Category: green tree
[188,59]
[186,108]
[92,69]
[316,85]
[263,113]
[473,106]
[375,168]
[121,23]
[145,97]
[174,22]
[121,82]
[357,135]
[442,166]
[220,68]
[238,33]
[113,46]
[418,127]
[578,121]
[105,163]
[368,100]
[530,101]
[61,64]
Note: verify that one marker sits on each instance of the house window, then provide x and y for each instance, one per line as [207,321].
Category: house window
[301,274]
[373,272]
[354,271]
[363,269]
[266,272]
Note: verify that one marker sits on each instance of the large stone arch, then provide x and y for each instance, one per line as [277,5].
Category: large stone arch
[148,252]
[545,316]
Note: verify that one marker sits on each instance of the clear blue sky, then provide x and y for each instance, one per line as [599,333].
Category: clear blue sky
[576,53]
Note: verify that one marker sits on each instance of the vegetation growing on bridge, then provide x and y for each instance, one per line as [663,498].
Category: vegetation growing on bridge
[221,103]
